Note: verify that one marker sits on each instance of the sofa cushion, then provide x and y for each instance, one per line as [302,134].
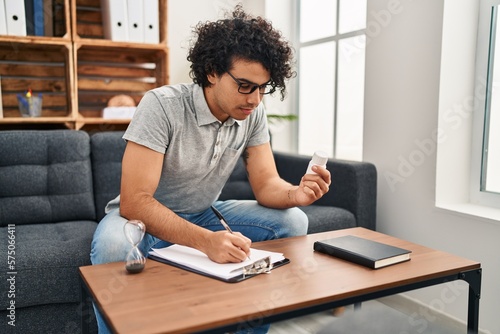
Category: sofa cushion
[353,188]
[47,257]
[237,186]
[45,177]
[107,154]
[328,218]
[63,318]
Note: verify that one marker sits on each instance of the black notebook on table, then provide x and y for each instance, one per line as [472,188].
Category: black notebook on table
[362,251]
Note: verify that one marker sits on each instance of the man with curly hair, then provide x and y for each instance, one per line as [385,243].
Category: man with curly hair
[185,140]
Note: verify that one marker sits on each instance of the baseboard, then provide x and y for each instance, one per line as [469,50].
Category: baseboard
[420,314]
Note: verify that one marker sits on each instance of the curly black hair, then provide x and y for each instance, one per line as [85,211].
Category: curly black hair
[240,36]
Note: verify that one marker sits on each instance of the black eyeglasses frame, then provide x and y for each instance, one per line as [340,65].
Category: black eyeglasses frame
[254,86]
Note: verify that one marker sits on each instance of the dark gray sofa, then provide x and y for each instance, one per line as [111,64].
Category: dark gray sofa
[54,185]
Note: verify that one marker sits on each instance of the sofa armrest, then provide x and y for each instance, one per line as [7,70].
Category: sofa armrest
[107,153]
[354,184]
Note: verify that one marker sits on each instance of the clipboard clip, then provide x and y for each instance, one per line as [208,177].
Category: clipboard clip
[262,266]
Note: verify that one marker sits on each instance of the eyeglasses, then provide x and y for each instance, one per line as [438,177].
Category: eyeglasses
[249,88]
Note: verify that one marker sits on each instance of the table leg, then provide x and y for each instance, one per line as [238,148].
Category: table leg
[473,277]
[85,308]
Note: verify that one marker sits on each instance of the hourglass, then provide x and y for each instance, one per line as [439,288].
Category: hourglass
[134,232]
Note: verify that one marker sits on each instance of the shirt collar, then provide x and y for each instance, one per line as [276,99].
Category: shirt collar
[203,113]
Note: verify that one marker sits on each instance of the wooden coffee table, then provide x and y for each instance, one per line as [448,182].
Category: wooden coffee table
[165,299]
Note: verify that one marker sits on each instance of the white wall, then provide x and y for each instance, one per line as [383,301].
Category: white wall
[402,101]
[183,15]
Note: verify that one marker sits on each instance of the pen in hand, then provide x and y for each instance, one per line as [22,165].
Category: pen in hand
[223,221]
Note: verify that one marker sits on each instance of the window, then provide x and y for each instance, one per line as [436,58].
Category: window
[331,56]
[485,171]
[460,136]
[490,167]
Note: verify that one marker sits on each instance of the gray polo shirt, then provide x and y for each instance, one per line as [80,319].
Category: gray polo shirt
[200,151]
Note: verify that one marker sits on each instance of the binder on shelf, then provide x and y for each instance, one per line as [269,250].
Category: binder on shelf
[135,11]
[38,18]
[15,17]
[115,20]
[151,22]
[3,18]
[33,10]
[28,13]
[48,18]
[58,18]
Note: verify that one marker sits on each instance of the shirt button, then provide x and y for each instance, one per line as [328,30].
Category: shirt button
[215,156]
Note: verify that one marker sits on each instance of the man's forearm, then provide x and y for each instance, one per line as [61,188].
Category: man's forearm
[162,222]
[277,194]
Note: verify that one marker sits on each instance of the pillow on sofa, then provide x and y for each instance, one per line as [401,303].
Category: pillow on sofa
[45,177]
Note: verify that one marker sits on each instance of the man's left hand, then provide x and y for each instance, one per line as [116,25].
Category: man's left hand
[312,186]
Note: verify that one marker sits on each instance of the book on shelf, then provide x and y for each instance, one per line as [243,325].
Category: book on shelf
[38,18]
[48,17]
[35,21]
[362,251]
[58,20]
[29,14]
[198,262]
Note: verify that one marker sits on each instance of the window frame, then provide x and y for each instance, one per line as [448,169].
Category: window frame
[335,39]
[460,115]
[481,90]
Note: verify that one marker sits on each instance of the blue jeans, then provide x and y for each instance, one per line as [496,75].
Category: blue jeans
[248,217]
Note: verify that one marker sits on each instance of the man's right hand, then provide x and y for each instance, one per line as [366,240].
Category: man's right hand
[225,247]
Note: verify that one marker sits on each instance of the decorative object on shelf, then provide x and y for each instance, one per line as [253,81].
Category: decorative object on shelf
[29,105]
[121,100]
[119,107]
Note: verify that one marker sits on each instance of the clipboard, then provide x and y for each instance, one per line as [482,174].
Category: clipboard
[234,279]
[193,260]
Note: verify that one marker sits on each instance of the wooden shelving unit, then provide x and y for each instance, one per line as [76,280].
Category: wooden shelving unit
[77,71]
[44,64]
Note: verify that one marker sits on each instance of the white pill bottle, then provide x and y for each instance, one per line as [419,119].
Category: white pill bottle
[319,158]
